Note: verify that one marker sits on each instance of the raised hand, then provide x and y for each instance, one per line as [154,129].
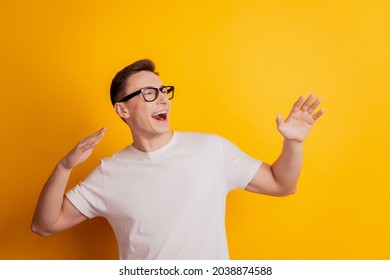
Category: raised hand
[82,150]
[300,120]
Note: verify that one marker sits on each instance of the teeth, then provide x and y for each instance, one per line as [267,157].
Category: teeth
[159,112]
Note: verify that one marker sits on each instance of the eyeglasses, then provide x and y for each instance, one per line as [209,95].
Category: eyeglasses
[150,93]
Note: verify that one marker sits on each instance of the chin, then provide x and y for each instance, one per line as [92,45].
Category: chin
[160,128]
[163,130]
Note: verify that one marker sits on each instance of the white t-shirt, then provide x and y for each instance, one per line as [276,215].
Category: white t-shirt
[169,203]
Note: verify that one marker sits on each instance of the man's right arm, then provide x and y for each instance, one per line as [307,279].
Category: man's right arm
[54,212]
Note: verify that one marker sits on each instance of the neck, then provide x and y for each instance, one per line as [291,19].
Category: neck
[152,143]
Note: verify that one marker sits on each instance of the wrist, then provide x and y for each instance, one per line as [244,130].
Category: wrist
[62,165]
[292,143]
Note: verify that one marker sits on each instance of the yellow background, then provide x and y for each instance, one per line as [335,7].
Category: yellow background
[235,65]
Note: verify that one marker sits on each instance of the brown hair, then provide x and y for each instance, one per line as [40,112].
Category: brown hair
[119,81]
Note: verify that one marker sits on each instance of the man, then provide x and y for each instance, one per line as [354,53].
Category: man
[165,194]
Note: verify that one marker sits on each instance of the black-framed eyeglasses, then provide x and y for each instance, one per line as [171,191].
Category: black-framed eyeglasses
[150,93]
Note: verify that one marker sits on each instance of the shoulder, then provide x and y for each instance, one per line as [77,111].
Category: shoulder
[198,138]
[121,154]
[205,138]
[116,158]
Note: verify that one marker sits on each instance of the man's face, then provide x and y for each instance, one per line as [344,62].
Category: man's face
[147,119]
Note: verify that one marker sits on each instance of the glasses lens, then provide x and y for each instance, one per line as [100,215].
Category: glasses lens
[150,94]
[168,90]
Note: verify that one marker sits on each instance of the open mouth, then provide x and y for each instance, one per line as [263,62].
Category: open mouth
[160,115]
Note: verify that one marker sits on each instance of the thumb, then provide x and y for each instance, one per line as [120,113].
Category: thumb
[279,119]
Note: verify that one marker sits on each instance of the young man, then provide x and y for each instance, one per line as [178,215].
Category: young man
[165,194]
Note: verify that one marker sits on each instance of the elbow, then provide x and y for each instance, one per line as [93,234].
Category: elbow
[287,191]
[41,230]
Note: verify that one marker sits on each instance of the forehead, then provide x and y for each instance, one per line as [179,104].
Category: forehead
[142,79]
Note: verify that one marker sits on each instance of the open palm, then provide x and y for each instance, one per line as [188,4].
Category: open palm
[300,120]
[83,149]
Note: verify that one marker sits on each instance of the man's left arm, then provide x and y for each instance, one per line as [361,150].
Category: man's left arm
[280,178]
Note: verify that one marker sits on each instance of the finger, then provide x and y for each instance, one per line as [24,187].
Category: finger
[314,105]
[279,119]
[93,137]
[318,114]
[91,145]
[88,145]
[298,104]
[98,133]
[308,102]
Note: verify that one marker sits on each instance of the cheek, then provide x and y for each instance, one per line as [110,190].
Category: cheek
[140,113]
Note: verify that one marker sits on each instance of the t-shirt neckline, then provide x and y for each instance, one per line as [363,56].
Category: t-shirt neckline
[156,153]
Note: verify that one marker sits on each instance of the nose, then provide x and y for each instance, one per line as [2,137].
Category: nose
[162,98]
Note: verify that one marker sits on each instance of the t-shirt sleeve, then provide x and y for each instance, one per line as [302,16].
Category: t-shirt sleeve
[240,168]
[88,195]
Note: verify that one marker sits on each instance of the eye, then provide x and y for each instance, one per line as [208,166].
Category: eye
[149,91]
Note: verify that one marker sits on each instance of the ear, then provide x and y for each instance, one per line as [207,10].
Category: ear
[122,110]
